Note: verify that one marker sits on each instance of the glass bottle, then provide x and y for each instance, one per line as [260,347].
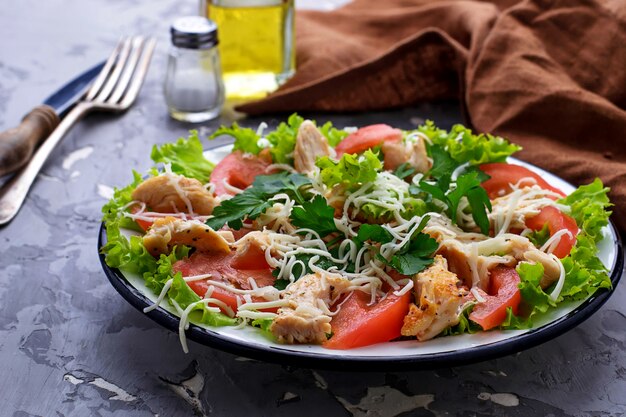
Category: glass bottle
[194,90]
[257,44]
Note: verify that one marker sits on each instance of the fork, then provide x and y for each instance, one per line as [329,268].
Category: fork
[114,89]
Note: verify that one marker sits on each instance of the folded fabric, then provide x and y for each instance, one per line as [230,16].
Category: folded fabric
[547,74]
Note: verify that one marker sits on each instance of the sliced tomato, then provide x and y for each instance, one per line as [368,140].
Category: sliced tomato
[503,293]
[221,268]
[144,224]
[504,175]
[556,221]
[367,137]
[358,324]
[252,257]
[239,170]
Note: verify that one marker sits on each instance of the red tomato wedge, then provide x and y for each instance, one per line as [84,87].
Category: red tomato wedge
[503,175]
[144,224]
[556,221]
[503,292]
[358,324]
[367,137]
[238,170]
[221,268]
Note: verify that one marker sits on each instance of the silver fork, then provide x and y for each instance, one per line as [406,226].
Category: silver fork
[115,89]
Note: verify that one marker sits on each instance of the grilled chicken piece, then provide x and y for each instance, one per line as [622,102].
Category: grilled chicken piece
[413,153]
[512,249]
[310,145]
[170,231]
[302,321]
[440,302]
[168,192]
[256,239]
[458,263]
[250,251]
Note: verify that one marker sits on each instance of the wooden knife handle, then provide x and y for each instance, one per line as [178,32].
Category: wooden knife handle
[17,144]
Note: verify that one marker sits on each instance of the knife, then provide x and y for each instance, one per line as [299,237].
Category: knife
[18,144]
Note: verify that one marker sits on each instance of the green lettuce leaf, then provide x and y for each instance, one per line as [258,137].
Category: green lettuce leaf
[465,325]
[185,157]
[184,297]
[120,252]
[464,146]
[246,139]
[584,272]
[334,136]
[155,280]
[589,207]
[350,169]
[263,324]
[283,139]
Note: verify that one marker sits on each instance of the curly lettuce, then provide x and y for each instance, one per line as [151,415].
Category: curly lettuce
[584,272]
[351,169]
[185,157]
[128,254]
[466,147]
[281,142]
[246,139]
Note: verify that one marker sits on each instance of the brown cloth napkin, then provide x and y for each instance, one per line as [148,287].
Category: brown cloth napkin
[547,74]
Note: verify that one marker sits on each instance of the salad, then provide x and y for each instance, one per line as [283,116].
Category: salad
[351,237]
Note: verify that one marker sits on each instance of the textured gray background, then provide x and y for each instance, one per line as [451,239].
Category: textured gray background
[71,346]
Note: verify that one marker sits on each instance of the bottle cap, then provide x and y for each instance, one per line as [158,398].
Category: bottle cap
[194,32]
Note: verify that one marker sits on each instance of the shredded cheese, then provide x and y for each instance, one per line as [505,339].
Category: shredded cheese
[161,297]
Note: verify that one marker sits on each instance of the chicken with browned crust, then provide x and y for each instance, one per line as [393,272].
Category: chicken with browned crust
[167,232]
[169,193]
[303,320]
[439,301]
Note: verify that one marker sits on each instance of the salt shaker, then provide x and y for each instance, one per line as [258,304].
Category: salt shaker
[194,90]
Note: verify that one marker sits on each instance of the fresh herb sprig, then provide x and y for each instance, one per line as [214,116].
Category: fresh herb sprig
[443,188]
[412,258]
[255,200]
[316,215]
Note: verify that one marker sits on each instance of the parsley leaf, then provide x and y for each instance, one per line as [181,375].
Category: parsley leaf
[316,215]
[246,139]
[351,169]
[253,201]
[373,232]
[468,185]
[415,255]
[404,170]
[443,165]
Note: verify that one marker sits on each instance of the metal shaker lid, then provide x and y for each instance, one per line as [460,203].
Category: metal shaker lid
[194,32]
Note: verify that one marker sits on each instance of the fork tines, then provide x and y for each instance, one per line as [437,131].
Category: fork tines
[123,73]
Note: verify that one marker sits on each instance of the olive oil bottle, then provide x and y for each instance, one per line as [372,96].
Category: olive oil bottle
[256,44]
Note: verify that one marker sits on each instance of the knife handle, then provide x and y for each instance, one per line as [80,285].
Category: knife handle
[17,144]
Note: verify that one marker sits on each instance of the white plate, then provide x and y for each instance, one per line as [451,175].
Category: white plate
[395,355]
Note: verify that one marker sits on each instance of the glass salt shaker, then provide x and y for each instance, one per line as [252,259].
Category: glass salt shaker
[194,90]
